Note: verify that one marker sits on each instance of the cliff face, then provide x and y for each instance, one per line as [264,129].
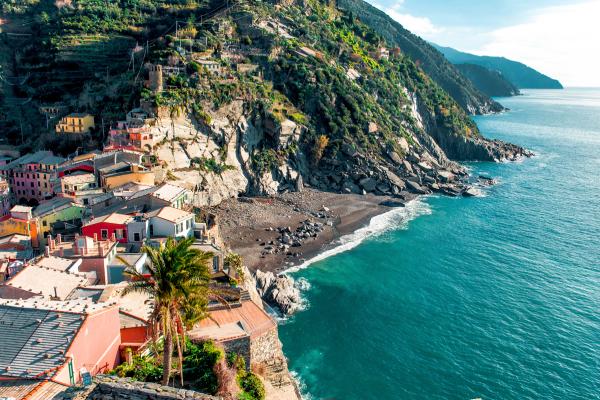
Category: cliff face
[329,110]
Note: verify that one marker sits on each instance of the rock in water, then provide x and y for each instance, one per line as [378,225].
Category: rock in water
[278,291]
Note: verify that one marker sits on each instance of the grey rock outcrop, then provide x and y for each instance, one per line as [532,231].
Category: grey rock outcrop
[278,291]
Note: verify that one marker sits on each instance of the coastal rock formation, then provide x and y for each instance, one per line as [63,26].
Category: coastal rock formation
[278,291]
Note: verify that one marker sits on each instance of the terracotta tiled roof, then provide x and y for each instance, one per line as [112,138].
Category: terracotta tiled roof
[170,214]
[252,319]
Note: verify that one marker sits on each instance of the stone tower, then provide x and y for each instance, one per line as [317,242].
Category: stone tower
[155,78]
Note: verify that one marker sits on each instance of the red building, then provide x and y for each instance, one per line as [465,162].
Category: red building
[103,228]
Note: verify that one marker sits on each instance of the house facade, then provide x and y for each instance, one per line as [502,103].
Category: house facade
[76,123]
[171,222]
[108,226]
[31,177]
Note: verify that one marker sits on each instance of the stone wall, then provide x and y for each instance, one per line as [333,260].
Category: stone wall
[107,387]
[265,347]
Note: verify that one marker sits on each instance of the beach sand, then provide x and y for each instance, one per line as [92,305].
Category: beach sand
[246,223]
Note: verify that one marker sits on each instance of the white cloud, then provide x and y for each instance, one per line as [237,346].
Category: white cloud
[421,26]
[558,41]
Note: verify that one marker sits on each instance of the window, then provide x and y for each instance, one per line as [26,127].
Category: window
[119,233]
[45,223]
[187,224]
[216,264]
[136,237]
[104,233]
[85,202]
[151,230]
[31,183]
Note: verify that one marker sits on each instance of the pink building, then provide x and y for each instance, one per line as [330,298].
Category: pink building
[56,343]
[31,177]
[96,255]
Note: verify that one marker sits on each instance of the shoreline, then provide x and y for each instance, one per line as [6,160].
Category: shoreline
[248,225]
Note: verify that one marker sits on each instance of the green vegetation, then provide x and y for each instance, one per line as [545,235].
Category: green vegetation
[142,368]
[210,165]
[178,283]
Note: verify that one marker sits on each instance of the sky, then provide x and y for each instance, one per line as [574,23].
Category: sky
[559,38]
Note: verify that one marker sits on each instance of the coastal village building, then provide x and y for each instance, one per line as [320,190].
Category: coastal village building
[20,221]
[97,256]
[134,133]
[243,327]
[121,173]
[81,187]
[58,209]
[46,343]
[52,279]
[135,310]
[16,247]
[108,225]
[31,177]
[171,222]
[76,123]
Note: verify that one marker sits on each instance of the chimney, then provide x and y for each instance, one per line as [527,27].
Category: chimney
[76,244]
[59,238]
[61,251]
[47,251]
[100,249]
[95,237]
[113,237]
[50,242]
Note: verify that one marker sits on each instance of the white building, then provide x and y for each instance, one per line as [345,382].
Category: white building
[169,221]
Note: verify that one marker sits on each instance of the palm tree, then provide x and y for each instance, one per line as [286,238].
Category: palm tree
[179,284]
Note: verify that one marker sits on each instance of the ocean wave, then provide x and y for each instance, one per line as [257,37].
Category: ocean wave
[397,218]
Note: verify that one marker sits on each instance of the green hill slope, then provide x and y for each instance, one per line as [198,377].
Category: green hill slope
[517,73]
[492,83]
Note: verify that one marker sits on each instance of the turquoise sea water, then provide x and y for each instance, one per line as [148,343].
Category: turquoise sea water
[496,297]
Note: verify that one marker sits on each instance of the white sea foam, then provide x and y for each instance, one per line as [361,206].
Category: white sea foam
[397,218]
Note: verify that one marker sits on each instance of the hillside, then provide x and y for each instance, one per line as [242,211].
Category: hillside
[519,74]
[246,97]
[426,56]
[490,82]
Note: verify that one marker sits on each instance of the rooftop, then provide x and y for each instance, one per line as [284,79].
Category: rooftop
[248,319]
[79,115]
[136,308]
[168,192]
[78,178]
[30,389]
[114,218]
[21,209]
[43,281]
[57,263]
[82,247]
[52,206]
[170,214]
[34,340]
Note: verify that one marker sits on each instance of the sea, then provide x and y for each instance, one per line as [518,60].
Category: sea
[490,297]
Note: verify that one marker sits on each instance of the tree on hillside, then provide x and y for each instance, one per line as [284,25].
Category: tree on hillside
[179,284]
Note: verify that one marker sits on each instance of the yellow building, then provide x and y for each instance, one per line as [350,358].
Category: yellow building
[75,123]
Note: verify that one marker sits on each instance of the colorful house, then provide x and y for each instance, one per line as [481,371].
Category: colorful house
[76,123]
[96,255]
[108,225]
[171,222]
[20,221]
[80,186]
[59,209]
[121,173]
[56,342]
[31,177]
